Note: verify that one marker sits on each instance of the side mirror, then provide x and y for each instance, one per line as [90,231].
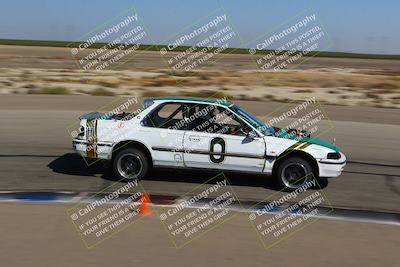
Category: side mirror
[253,134]
[250,136]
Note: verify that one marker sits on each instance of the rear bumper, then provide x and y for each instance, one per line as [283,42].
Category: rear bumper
[92,150]
[330,167]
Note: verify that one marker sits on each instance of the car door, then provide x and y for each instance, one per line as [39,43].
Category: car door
[218,139]
[164,129]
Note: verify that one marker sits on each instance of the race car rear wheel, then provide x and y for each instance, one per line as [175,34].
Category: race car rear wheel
[293,173]
[130,164]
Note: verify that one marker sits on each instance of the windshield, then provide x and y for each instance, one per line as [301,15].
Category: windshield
[253,120]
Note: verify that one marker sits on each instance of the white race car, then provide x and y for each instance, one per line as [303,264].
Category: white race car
[207,134]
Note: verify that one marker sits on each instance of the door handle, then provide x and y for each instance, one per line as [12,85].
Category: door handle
[194,138]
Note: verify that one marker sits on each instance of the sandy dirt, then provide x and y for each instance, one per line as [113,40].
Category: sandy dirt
[350,82]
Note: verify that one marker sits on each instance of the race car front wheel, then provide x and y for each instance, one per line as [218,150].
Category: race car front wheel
[130,164]
[293,173]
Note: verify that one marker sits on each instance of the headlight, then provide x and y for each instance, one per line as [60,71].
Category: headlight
[334,155]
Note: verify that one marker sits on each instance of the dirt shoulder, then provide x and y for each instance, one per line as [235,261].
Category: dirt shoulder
[343,81]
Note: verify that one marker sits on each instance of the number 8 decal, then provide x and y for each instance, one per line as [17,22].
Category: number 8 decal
[217,158]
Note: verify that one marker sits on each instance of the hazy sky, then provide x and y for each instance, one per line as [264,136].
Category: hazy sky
[366,26]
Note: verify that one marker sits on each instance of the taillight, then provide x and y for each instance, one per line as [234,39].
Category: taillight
[81,131]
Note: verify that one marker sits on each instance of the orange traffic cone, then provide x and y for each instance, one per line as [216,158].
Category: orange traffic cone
[144,204]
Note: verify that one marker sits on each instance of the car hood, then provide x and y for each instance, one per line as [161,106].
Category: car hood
[309,140]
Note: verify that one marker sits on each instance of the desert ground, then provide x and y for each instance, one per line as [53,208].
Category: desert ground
[333,81]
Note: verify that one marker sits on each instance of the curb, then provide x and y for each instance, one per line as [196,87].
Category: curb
[172,201]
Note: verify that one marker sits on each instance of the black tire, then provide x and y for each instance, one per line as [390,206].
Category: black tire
[293,173]
[131,164]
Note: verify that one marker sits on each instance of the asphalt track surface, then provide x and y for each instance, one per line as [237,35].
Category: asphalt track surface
[48,238]
[36,154]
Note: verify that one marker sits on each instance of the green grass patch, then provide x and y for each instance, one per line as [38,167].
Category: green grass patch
[101,92]
[154,93]
[183,48]
[50,91]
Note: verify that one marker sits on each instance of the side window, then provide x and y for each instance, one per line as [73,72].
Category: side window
[229,123]
[170,115]
[215,119]
[200,117]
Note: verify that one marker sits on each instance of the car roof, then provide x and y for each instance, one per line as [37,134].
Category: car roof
[220,101]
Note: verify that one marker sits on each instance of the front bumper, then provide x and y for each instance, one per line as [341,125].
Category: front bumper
[331,167]
[92,150]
